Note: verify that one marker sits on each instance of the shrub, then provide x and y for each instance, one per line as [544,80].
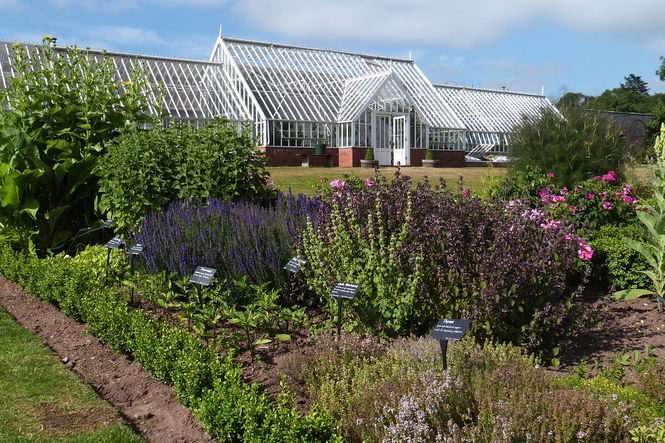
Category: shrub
[60,117]
[573,147]
[146,170]
[616,263]
[369,154]
[239,239]
[426,254]
[208,384]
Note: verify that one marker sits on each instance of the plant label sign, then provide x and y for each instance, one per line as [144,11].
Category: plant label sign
[115,243]
[450,329]
[345,290]
[136,249]
[295,264]
[202,275]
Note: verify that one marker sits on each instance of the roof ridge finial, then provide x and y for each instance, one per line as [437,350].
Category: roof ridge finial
[220,29]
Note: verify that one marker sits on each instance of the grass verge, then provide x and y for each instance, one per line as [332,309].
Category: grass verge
[44,401]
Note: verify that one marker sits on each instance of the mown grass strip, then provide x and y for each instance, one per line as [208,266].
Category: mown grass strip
[304,180]
[44,401]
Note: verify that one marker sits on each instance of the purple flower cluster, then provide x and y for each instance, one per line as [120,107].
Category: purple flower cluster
[236,238]
[480,260]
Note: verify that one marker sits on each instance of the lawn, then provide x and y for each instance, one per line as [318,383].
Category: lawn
[304,180]
[42,400]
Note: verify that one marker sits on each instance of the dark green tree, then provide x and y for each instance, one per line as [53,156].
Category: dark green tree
[635,84]
[661,71]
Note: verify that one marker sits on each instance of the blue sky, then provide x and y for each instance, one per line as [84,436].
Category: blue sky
[562,45]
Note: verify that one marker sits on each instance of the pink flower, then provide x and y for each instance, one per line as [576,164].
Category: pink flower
[572,209]
[585,252]
[369,182]
[627,189]
[628,199]
[542,192]
[589,196]
[337,183]
[578,189]
[564,191]
[567,237]
[617,194]
[467,192]
[607,206]
[549,174]
[598,177]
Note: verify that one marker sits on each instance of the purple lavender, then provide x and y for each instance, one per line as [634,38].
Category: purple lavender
[236,238]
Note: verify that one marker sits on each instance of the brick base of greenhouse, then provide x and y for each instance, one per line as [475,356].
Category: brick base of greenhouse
[348,157]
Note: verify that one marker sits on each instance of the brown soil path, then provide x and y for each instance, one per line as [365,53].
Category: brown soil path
[148,404]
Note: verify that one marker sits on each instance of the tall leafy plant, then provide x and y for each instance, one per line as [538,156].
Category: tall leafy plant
[62,107]
[653,248]
[146,170]
[573,147]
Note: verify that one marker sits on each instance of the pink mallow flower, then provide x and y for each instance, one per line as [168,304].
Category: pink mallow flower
[337,183]
[607,206]
[589,196]
[369,182]
[584,252]
[549,174]
[564,191]
[542,192]
[627,189]
[629,199]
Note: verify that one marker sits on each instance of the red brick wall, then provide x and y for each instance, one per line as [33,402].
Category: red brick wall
[294,156]
[446,158]
[350,157]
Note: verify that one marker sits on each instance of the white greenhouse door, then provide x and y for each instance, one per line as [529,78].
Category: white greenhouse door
[401,141]
[383,138]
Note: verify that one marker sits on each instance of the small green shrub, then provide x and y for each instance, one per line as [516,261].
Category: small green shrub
[369,154]
[573,147]
[616,263]
[146,170]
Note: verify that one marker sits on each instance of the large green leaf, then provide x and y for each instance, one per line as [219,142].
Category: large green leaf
[639,247]
[659,226]
[30,207]
[630,294]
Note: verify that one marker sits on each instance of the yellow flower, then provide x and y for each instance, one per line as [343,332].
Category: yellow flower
[47,37]
[127,83]
[16,45]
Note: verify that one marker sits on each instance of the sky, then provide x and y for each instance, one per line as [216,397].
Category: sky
[523,45]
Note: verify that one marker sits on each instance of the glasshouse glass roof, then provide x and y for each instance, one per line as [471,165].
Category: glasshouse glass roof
[259,82]
[490,114]
[193,90]
[303,84]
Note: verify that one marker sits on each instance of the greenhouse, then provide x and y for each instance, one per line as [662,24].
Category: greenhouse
[323,107]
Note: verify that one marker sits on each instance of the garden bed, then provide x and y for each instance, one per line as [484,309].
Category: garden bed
[148,404]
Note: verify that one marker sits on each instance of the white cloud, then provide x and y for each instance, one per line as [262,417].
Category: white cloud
[449,23]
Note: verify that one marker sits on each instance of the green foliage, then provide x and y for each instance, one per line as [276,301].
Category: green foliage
[653,247]
[573,148]
[369,154]
[429,155]
[616,263]
[635,84]
[210,385]
[60,118]
[146,170]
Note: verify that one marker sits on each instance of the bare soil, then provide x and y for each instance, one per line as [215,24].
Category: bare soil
[619,326]
[149,405]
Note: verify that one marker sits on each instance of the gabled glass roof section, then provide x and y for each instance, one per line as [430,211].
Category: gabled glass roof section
[490,111]
[192,89]
[304,84]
